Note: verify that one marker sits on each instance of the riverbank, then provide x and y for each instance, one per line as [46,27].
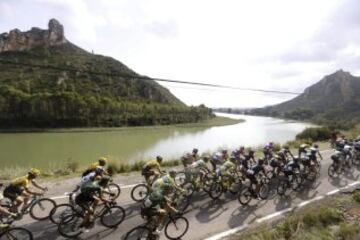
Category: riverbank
[335,217]
[72,167]
[213,122]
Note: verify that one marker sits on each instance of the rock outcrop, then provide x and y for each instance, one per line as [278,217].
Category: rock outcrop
[16,40]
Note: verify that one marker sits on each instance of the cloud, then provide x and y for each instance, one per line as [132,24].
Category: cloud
[166,29]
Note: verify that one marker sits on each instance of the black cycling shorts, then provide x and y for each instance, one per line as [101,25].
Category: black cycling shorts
[12,192]
[84,201]
[252,178]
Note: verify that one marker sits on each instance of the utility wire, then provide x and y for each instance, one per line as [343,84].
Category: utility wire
[131,76]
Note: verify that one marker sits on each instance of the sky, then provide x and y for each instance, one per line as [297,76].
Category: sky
[284,45]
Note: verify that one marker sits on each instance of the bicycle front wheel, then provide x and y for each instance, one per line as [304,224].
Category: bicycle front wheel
[70,226]
[112,216]
[42,208]
[216,190]
[176,228]
[60,212]
[114,189]
[139,233]
[17,233]
[139,192]
[245,197]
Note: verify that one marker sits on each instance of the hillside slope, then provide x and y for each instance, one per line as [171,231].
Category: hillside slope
[335,98]
[32,96]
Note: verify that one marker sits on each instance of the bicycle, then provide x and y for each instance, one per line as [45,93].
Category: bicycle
[13,233]
[249,193]
[60,211]
[110,216]
[39,207]
[175,228]
[219,186]
[287,183]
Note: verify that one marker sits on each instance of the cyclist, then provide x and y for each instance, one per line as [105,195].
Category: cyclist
[284,154]
[302,152]
[196,173]
[252,174]
[268,151]
[218,158]
[95,175]
[152,170]
[91,195]
[168,179]
[226,170]
[289,169]
[18,190]
[194,154]
[158,203]
[100,164]
[314,152]
[276,163]
[5,211]
[248,159]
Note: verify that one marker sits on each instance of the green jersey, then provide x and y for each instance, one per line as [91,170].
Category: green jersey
[227,166]
[91,188]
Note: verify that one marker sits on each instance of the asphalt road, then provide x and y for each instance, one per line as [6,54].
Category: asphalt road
[206,216]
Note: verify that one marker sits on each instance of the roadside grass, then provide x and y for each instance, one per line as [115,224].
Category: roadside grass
[336,217]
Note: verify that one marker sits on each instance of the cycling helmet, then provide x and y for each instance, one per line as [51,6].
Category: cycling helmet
[34,172]
[315,145]
[271,144]
[102,161]
[224,151]
[206,158]
[159,159]
[241,148]
[195,150]
[296,159]
[172,173]
[261,161]
[251,152]
[232,159]
[286,147]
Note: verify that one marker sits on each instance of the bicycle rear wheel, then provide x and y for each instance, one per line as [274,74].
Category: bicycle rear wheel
[216,190]
[42,208]
[70,226]
[16,233]
[245,197]
[139,192]
[140,233]
[114,189]
[264,191]
[60,212]
[112,216]
[176,228]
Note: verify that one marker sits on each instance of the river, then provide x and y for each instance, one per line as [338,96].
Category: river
[51,150]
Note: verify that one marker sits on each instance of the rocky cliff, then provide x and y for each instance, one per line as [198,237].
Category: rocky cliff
[16,40]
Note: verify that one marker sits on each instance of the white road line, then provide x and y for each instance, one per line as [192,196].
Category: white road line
[279,213]
[333,192]
[260,220]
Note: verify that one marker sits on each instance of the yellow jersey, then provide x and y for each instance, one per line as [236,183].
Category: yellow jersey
[20,182]
[152,164]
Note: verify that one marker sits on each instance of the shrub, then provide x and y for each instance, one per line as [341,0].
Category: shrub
[356,196]
[288,227]
[348,231]
[314,134]
[72,166]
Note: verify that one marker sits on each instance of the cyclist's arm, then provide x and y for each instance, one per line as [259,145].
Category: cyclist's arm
[38,185]
[168,205]
[32,192]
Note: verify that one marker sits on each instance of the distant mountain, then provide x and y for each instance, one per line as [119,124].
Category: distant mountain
[335,98]
[57,96]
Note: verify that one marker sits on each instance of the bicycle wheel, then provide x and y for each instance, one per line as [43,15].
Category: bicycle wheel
[208,180]
[264,191]
[60,212]
[216,190]
[112,216]
[114,189]
[139,233]
[139,192]
[182,203]
[176,228]
[244,197]
[281,189]
[42,208]
[333,171]
[70,226]
[16,233]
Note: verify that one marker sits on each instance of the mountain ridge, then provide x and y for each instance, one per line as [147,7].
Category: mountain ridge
[34,96]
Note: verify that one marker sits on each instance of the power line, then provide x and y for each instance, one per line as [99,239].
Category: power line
[130,76]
